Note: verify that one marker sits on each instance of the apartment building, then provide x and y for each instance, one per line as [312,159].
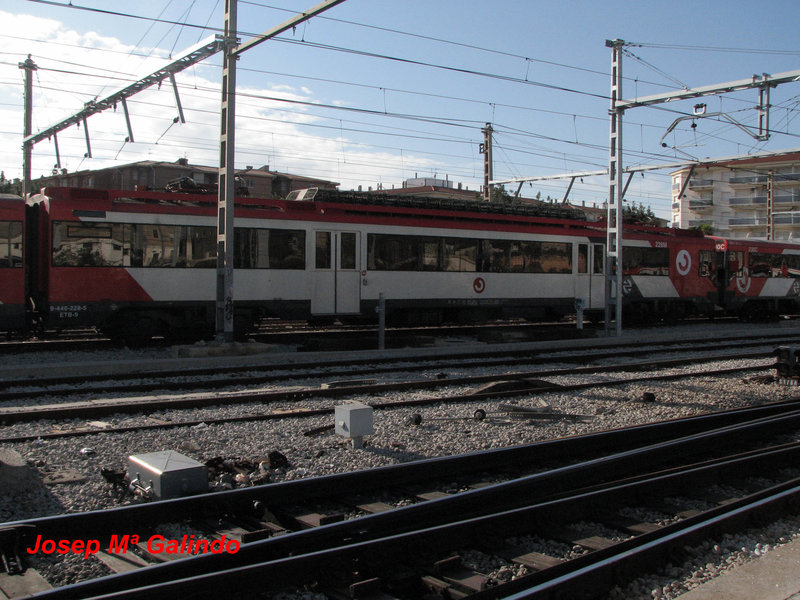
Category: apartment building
[756,198]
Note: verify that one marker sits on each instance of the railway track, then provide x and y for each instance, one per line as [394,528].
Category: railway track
[516,375]
[307,338]
[506,385]
[587,492]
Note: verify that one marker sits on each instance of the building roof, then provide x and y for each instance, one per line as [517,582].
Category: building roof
[182,163]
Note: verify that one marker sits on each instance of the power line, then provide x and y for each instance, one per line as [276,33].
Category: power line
[714,48]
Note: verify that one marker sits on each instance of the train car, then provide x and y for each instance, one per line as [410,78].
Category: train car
[757,280]
[12,263]
[663,278]
[137,264]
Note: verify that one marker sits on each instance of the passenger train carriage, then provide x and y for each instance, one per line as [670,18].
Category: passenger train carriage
[136,264]
[12,261]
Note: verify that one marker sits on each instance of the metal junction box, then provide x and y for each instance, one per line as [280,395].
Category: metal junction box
[167,474]
[353,419]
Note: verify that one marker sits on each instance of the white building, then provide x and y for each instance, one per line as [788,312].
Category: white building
[755,198]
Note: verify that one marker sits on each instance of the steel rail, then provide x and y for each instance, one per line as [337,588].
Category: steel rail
[114,381]
[473,503]
[523,356]
[95,408]
[240,500]
[417,545]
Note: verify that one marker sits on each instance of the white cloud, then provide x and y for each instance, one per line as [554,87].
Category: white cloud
[268,131]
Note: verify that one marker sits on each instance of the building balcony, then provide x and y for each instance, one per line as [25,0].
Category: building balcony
[791,218]
[700,222]
[748,201]
[701,205]
[747,222]
[786,178]
[748,180]
[790,199]
[676,206]
[695,184]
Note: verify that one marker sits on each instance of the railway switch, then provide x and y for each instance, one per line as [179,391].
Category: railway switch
[166,474]
[354,420]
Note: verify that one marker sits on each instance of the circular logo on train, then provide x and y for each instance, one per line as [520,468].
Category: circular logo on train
[627,286]
[795,289]
[479,285]
[683,262]
[743,281]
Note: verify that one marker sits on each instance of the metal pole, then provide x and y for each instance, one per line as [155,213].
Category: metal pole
[381,322]
[227,175]
[613,288]
[770,206]
[488,167]
[225,208]
[27,146]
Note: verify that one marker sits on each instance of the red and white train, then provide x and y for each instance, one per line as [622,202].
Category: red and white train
[136,264]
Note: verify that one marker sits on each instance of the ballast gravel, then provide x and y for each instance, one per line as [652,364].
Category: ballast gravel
[444,429]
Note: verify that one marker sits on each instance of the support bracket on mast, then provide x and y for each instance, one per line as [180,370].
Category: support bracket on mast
[177,97]
[127,120]
[88,143]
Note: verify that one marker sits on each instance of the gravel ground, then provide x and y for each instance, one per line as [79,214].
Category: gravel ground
[393,442]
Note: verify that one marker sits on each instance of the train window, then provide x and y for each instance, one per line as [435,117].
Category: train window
[599,258]
[774,265]
[87,244]
[645,261]
[735,264]
[707,264]
[10,244]
[402,252]
[792,262]
[287,249]
[269,248]
[583,258]
[158,249]
[430,253]
[459,255]
[504,256]
[412,253]
[197,247]
[556,257]
[169,246]
[495,256]
[323,253]
[347,251]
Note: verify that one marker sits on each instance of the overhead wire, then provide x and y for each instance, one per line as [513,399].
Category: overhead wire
[386,57]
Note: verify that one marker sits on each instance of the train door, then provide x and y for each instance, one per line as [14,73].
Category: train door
[589,280]
[721,275]
[337,277]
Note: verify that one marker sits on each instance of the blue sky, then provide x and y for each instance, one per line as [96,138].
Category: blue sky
[375,92]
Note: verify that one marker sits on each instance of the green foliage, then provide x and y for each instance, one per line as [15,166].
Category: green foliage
[705,228]
[9,187]
[639,213]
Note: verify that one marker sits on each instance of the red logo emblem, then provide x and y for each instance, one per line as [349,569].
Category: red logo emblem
[478,285]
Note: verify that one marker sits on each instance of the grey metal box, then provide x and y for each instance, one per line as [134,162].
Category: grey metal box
[168,474]
[353,419]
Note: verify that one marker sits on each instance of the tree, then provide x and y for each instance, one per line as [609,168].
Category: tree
[705,228]
[7,186]
[499,194]
[640,214]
